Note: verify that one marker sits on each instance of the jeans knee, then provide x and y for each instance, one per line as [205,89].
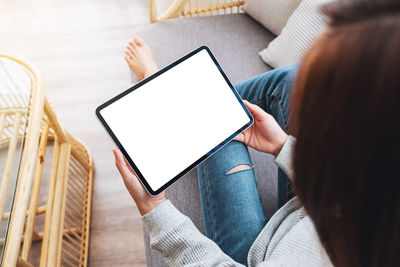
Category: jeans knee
[284,79]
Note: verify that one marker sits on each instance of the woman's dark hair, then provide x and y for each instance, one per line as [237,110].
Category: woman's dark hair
[346,117]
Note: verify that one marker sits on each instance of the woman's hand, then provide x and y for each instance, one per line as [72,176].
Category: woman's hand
[144,201]
[265,134]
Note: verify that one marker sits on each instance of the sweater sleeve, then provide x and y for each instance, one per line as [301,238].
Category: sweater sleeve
[285,158]
[179,241]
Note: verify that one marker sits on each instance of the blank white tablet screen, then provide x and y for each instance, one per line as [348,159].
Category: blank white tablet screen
[173,120]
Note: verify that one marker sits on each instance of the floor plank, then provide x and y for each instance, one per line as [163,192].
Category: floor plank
[78,47]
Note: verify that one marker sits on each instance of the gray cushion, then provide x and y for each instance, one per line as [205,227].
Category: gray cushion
[235,41]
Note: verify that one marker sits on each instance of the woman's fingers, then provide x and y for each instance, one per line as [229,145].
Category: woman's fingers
[143,200]
[257,112]
[249,105]
[120,162]
[130,179]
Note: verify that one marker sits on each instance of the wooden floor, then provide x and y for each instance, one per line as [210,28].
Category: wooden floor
[78,46]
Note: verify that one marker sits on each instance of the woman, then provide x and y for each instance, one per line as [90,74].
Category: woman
[344,113]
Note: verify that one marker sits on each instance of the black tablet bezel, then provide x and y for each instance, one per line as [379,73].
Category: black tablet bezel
[193,165]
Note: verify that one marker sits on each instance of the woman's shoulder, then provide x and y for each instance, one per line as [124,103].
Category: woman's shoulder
[289,237]
[296,243]
[259,248]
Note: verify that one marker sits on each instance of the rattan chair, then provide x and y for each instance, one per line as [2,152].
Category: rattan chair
[65,231]
[194,8]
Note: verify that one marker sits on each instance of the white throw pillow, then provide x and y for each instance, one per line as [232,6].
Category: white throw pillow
[273,14]
[303,27]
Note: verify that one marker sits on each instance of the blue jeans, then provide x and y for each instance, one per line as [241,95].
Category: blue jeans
[231,204]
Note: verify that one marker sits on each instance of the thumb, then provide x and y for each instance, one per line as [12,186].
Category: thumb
[239,137]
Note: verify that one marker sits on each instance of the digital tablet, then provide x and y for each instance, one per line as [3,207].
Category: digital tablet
[168,123]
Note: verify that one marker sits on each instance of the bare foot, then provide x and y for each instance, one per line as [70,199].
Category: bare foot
[139,58]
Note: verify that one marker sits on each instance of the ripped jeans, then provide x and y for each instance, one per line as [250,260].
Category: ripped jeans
[231,204]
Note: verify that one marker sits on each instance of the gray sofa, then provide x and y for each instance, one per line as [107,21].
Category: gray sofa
[235,41]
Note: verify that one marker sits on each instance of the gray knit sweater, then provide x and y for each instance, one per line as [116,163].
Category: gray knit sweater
[288,239]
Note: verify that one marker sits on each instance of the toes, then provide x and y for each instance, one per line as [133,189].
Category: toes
[134,43]
[131,45]
[130,49]
[129,54]
[138,40]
